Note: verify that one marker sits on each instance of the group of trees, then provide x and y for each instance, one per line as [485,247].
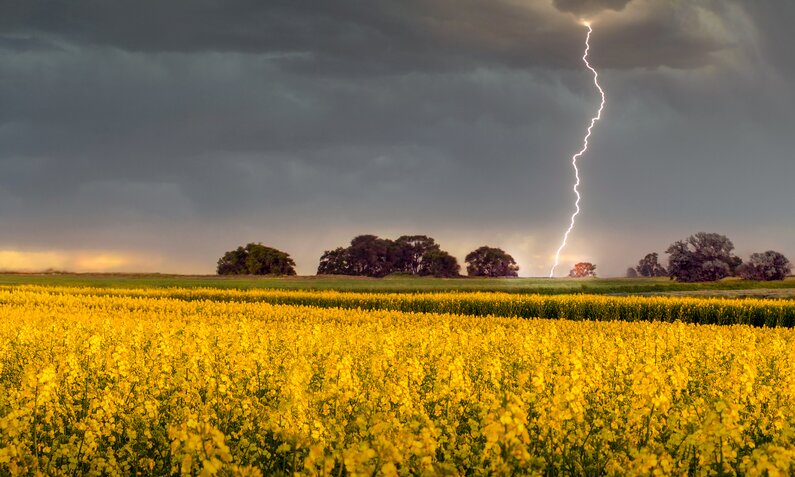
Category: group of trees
[420,255]
[372,256]
[704,257]
[699,258]
[768,265]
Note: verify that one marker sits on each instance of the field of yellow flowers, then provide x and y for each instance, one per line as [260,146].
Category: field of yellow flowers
[155,382]
[723,311]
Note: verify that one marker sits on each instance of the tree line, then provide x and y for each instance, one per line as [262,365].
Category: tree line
[706,257]
[372,256]
[698,258]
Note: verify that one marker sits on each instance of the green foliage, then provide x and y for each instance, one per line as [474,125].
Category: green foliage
[255,259]
[233,262]
[490,262]
[439,263]
[406,284]
[707,311]
[335,262]
[420,255]
[372,256]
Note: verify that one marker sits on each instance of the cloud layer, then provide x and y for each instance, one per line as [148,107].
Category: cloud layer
[182,129]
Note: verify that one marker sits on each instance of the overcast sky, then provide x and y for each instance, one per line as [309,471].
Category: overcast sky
[155,135]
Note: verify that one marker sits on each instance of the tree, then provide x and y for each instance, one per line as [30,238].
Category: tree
[371,256]
[490,262]
[439,263]
[649,266]
[767,266]
[632,273]
[255,259]
[582,270]
[233,262]
[702,257]
[412,254]
[335,262]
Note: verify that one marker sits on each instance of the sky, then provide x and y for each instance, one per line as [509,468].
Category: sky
[153,136]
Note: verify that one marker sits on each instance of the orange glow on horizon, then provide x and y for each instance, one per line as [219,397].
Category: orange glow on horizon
[75,261]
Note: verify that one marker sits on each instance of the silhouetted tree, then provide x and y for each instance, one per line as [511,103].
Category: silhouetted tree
[256,259]
[649,266]
[702,257]
[369,255]
[490,262]
[439,263]
[233,262]
[335,262]
[582,270]
[769,265]
[412,254]
[632,273]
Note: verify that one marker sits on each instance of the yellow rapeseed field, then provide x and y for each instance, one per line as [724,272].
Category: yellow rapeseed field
[153,382]
[746,311]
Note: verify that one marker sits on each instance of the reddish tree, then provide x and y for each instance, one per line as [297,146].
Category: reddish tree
[583,269]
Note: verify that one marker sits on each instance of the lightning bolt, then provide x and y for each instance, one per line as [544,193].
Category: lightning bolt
[582,151]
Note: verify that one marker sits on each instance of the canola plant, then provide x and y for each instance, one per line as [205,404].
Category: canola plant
[746,311]
[155,382]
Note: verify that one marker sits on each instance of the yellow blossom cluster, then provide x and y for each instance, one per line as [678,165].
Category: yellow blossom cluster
[723,311]
[154,383]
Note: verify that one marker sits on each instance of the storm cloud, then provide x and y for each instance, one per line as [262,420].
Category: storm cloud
[351,37]
[177,130]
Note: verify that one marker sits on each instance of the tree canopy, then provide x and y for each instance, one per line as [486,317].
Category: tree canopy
[441,264]
[770,265]
[649,266]
[702,257]
[255,259]
[582,270]
[490,262]
[372,256]
[413,254]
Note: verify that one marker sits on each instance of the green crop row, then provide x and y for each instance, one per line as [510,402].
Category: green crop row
[745,311]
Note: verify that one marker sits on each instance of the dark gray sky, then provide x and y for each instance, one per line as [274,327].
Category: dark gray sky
[153,136]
